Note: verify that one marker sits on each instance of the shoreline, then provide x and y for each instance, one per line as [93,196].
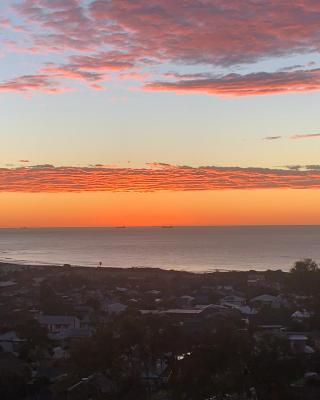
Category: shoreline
[59,267]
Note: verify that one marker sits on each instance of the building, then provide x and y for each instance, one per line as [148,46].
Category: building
[115,308]
[182,314]
[10,341]
[233,300]
[301,316]
[58,323]
[298,342]
[256,279]
[267,300]
[184,301]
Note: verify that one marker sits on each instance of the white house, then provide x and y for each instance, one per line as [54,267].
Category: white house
[300,316]
[233,300]
[58,323]
[60,354]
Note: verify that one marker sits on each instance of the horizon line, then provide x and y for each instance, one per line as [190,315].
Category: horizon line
[154,226]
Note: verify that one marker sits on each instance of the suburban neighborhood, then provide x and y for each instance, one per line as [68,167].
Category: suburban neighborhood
[79,333]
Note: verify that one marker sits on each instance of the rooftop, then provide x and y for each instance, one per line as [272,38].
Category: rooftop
[56,319]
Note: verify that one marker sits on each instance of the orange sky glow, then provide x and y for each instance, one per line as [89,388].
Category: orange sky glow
[228,207]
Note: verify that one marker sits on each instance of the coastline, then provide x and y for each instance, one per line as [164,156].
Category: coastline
[16,266]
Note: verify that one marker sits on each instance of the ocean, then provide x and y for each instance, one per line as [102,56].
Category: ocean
[197,249]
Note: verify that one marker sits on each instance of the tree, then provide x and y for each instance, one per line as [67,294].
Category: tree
[305,276]
[51,303]
[33,332]
[304,266]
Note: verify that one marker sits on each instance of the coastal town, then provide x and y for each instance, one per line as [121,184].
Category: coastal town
[76,333]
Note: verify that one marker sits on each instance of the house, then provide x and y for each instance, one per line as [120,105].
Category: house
[226,288]
[244,310]
[121,289]
[72,333]
[154,292]
[202,298]
[272,328]
[298,342]
[256,279]
[115,308]
[152,312]
[184,301]
[267,300]
[233,300]
[10,342]
[85,321]
[197,313]
[94,386]
[60,354]
[182,314]
[300,316]
[58,323]
[6,284]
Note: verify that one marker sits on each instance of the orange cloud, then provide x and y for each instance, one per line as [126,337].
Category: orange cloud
[259,83]
[156,177]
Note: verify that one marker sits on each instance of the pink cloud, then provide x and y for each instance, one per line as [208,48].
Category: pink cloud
[105,61]
[30,83]
[71,72]
[219,32]
[155,177]
[189,31]
[90,69]
[5,22]
[111,35]
[305,136]
[135,75]
[64,24]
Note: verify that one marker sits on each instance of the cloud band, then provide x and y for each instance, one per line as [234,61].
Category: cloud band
[153,178]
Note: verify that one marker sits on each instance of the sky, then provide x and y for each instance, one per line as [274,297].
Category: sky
[185,112]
